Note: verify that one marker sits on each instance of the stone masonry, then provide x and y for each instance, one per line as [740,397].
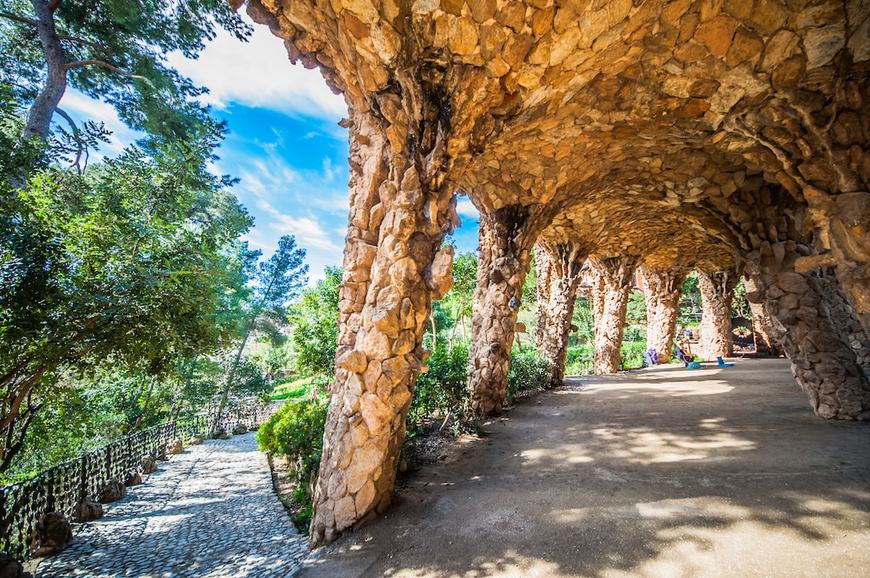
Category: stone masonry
[657,129]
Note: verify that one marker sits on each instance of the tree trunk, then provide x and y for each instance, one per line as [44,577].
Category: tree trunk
[506,238]
[717,292]
[663,290]
[48,98]
[614,276]
[394,267]
[556,298]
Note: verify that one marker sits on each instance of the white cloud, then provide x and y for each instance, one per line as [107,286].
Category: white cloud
[258,73]
[466,208]
[82,107]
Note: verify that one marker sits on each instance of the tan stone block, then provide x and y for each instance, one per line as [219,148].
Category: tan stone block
[365,498]
[780,46]
[374,412]
[769,16]
[482,10]
[716,34]
[463,39]
[344,512]
[746,46]
[512,15]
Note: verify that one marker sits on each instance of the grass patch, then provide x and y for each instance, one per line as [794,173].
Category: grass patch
[295,389]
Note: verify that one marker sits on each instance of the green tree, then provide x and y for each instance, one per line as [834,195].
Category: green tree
[127,261]
[276,281]
[113,50]
[315,324]
[458,301]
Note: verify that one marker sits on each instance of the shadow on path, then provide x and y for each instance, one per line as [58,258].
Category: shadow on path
[661,472]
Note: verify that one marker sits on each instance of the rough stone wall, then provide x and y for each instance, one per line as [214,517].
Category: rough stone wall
[842,314]
[394,267]
[823,364]
[506,239]
[802,307]
[762,333]
[557,296]
[717,293]
[614,277]
[663,291]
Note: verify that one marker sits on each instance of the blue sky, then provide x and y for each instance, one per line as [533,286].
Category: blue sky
[284,144]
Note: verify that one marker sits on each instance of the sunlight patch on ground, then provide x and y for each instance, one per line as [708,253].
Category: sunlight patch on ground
[648,446]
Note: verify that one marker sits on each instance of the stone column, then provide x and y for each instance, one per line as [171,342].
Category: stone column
[663,291]
[614,276]
[543,271]
[394,267]
[556,305]
[717,292]
[506,239]
[805,322]
[762,333]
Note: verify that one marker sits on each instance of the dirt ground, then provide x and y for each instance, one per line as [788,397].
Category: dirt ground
[661,472]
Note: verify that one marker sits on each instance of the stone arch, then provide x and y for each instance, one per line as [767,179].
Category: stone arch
[745,122]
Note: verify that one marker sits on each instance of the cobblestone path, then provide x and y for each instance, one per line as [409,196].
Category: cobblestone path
[207,512]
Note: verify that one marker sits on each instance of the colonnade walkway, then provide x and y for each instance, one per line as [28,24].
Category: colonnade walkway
[208,512]
[661,472]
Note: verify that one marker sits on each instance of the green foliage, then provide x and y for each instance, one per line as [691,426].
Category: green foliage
[127,261]
[636,311]
[690,302]
[295,432]
[117,51]
[315,324]
[442,389]
[584,322]
[528,372]
[580,360]
[740,303]
[631,354]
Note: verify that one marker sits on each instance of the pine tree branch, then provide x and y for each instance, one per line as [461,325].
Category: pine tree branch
[34,23]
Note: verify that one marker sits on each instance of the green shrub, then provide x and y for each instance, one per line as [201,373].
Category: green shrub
[579,360]
[295,432]
[529,371]
[631,354]
[442,389]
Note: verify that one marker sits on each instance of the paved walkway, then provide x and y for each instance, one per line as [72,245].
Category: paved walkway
[209,512]
[664,472]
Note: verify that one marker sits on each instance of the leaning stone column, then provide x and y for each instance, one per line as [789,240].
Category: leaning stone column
[762,333]
[544,273]
[717,292]
[614,277]
[565,260]
[663,291]
[804,322]
[506,239]
[393,269]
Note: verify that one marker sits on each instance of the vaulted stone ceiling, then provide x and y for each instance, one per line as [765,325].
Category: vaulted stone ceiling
[568,101]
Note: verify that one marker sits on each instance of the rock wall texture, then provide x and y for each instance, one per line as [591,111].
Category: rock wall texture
[663,291]
[559,267]
[762,331]
[674,131]
[506,239]
[613,283]
[717,292]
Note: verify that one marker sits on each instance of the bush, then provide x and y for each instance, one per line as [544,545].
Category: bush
[631,354]
[529,371]
[442,389]
[580,360]
[296,432]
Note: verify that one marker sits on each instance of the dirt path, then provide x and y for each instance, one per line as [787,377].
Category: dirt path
[662,472]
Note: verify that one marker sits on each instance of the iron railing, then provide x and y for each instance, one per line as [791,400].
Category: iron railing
[63,487]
